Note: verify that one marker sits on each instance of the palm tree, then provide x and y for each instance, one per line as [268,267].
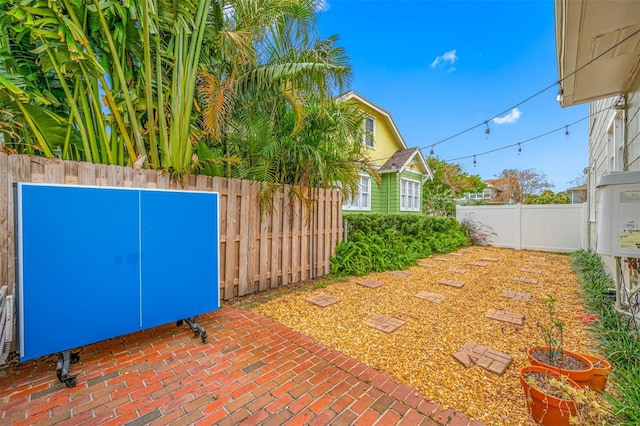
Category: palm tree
[267,98]
[126,79]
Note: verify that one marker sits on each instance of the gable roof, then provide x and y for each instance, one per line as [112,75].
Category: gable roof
[582,187]
[401,159]
[387,117]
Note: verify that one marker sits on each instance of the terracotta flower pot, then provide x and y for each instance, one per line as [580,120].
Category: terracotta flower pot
[601,369]
[581,377]
[546,409]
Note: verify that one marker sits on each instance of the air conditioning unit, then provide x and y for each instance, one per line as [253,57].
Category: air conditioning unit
[619,214]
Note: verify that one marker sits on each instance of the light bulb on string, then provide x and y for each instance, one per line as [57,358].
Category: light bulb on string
[431,152]
[519,149]
[487,131]
[474,161]
[566,131]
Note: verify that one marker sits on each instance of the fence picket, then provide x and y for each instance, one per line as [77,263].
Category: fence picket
[276,214]
[258,249]
[244,284]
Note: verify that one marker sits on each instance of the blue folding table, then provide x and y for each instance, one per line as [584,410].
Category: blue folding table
[95,263]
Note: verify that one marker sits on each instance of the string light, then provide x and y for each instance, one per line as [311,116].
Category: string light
[487,131]
[474,161]
[527,140]
[565,127]
[560,96]
[566,131]
[519,148]
[431,153]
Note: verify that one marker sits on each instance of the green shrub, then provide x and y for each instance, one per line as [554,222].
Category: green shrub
[390,242]
[620,345]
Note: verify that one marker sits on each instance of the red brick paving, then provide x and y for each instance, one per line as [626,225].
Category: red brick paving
[252,371]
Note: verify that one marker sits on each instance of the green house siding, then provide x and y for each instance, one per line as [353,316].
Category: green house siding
[380,197]
[386,198]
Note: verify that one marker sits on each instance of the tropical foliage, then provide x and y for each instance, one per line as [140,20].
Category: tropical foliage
[448,185]
[548,197]
[390,242]
[240,88]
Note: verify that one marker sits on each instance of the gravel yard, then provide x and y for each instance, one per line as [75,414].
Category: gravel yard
[419,353]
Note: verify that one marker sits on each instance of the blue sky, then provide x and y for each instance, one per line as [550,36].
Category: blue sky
[441,67]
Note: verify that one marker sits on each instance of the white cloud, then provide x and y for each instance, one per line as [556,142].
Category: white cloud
[320,6]
[512,117]
[449,56]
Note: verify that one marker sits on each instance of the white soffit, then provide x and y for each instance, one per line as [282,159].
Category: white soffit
[588,30]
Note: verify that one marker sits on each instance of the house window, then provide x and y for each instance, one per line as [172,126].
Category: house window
[592,193]
[409,195]
[369,131]
[615,142]
[361,200]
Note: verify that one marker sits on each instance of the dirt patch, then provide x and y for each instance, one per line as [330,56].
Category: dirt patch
[420,352]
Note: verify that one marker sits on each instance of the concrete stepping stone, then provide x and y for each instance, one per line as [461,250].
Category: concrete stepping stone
[401,273]
[491,360]
[385,323]
[322,300]
[509,317]
[532,271]
[457,270]
[516,296]
[426,265]
[441,259]
[451,283]
[525,280]
[370,283]
[481,264]
[431,297]
[491,259]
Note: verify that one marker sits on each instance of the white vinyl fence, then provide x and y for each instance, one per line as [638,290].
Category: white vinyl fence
[545,227]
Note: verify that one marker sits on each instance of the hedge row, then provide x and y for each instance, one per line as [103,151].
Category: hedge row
[394,242]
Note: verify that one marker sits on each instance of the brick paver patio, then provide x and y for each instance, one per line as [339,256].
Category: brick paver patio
[251,371]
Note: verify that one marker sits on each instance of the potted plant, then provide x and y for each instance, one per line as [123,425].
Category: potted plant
[553,356]
[555,400]
[545,393]
[601,369]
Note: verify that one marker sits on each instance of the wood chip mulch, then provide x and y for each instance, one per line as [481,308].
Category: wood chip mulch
[420,352]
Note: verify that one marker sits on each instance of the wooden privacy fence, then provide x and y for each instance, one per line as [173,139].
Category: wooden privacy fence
[286,243]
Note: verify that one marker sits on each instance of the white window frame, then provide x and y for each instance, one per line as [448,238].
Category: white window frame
[409,195]
[615,143]
[592,192]
[363,193]
[369,137]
